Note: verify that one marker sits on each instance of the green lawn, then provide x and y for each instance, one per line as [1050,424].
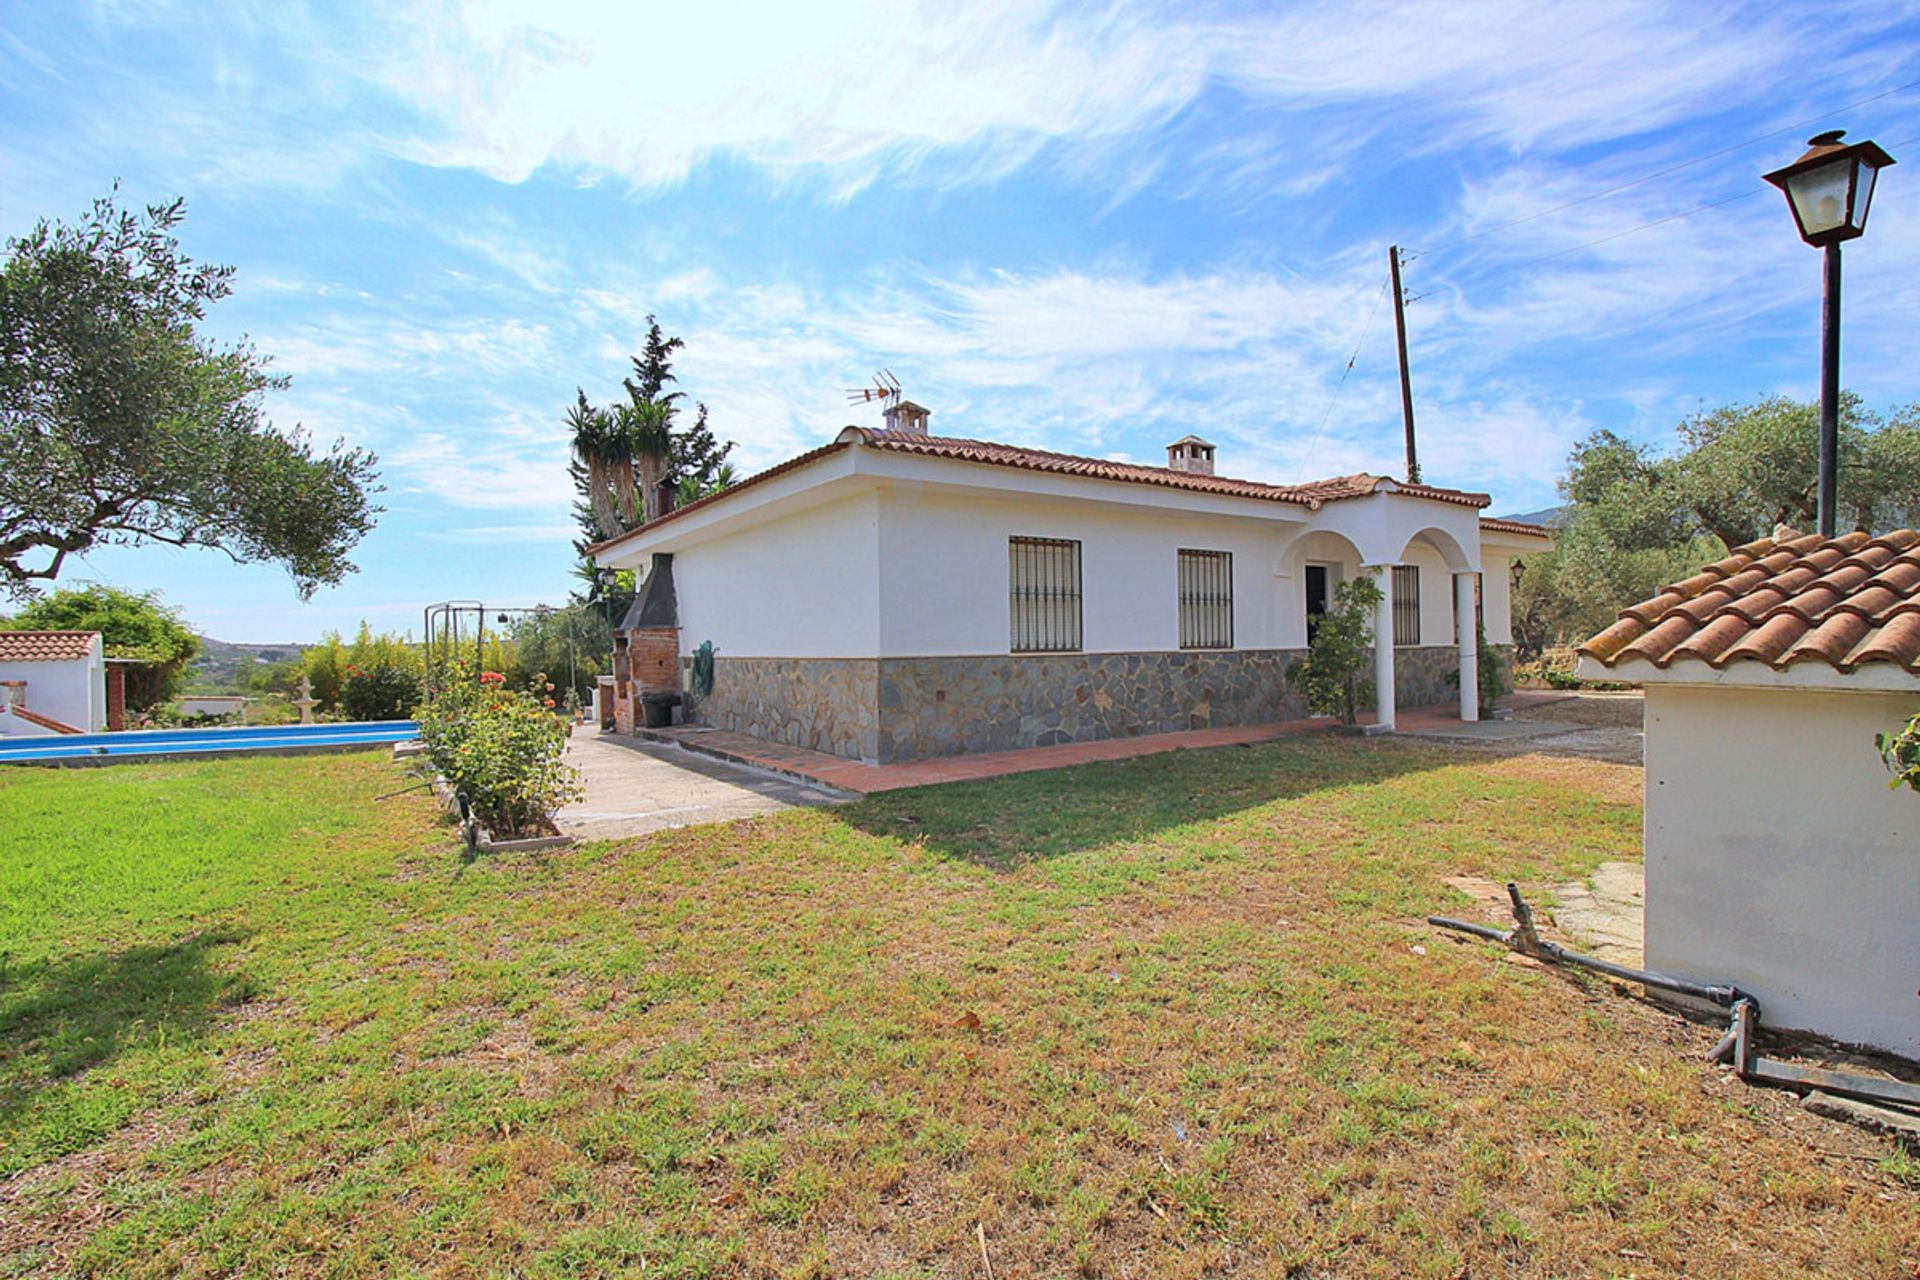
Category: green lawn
[1162,1017]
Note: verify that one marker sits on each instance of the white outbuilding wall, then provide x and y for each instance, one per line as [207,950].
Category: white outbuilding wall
[73,693]
[1778,859]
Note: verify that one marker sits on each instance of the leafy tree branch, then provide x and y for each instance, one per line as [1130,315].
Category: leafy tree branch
[120,424]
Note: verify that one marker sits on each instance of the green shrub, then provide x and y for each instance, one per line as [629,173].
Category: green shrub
[1901,751]
[499,748]
[383,691]
[1332,677]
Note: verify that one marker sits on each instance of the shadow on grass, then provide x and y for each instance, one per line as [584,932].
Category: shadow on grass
[62,1017]
[1021,818]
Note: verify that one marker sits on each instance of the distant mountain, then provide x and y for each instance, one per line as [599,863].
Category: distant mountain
[1548,516]
[219,662]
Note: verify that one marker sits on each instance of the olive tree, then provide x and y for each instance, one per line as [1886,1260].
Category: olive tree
[121,424]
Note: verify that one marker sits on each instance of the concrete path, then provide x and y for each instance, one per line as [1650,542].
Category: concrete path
[1487,730]
[851,775]
[633,788]
[1605,914]
[1595,726]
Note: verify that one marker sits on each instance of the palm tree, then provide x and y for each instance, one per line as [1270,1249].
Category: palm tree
[648,429]
[603,466]
[691,490]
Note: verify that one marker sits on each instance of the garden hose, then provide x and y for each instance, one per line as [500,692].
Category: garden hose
[703,669]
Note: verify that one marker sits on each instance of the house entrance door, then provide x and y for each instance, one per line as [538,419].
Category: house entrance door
[1318,590]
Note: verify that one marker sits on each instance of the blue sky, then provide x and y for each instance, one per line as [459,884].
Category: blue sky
[1092,228]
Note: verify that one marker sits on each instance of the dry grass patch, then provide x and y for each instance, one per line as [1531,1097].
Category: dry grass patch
[1160,1017]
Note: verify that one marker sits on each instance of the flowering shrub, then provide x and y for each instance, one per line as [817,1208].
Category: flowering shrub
[499,748]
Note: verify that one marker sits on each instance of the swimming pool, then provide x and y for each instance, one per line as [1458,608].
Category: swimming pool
[94,748]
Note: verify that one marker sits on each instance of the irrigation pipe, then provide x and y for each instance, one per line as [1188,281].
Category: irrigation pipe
[1735,1048]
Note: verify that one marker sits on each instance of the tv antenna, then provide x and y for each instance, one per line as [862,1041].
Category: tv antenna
[885,388]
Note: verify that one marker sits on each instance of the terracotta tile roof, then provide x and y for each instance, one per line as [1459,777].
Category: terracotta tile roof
[1793,598]
[758,477]
[1311,495]
[46,646]
[1495,524]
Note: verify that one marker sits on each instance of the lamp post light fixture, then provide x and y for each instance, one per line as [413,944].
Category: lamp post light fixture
[1829,189]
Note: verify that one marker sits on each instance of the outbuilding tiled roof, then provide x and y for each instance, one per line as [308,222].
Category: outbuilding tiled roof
[46,646]
[1793,598]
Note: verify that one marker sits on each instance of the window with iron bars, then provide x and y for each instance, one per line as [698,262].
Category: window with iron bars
[1206,599]
[1043,589]
[1406,604]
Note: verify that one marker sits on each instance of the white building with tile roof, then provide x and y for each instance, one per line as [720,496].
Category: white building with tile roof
[895,596]
[1777,857]
[52,682]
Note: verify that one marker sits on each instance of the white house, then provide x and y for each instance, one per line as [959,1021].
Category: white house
[1777,857]
[894,595]
[52,682]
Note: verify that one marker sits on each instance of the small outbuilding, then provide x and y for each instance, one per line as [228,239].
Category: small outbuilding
[52,682]
[1777,858]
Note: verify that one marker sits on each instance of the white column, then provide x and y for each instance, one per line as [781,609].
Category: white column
[1383,649]
[1469,638]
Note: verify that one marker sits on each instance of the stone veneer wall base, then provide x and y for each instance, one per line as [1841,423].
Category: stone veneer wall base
[891,710]
[933,707]
[823,704]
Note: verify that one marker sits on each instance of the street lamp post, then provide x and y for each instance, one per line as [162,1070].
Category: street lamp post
[1829,189]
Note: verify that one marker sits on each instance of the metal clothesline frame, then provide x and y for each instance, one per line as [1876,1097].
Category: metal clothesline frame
[441,631]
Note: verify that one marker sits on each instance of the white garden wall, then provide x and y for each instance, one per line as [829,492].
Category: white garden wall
[1777,858]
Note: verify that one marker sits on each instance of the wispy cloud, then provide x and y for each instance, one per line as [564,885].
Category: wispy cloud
[1086,226]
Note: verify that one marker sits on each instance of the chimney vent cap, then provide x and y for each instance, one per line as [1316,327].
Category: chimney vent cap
[1191,454]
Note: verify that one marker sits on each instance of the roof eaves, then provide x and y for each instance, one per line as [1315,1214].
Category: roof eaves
[732,490]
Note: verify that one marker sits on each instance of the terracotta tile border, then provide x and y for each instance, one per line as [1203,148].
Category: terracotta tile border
[818,767]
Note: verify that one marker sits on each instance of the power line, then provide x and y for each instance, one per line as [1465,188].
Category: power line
[1672,217]
[1661,173]
[1341,385]
[1617,235]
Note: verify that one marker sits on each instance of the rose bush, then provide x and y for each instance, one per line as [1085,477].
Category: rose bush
[499,748]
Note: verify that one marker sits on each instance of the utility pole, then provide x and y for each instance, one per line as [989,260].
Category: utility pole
[1406,382]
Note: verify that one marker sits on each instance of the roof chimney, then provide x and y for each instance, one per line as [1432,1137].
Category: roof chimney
[1192,454]
[907,417]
